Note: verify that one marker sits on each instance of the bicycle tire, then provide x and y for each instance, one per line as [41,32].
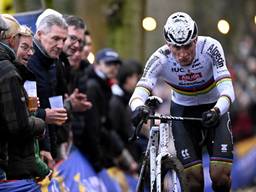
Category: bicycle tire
[171,166]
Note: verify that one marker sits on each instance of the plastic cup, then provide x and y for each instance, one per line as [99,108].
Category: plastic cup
[30,87]
[56,102]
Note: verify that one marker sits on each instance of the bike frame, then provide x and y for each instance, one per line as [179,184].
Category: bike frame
[160,144]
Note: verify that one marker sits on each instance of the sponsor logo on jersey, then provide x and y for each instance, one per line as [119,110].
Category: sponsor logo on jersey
[192,83]
[190,76]
[224,148]
[185,154]
[177,69]
[214,52]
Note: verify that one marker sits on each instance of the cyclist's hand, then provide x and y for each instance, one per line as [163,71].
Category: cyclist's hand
[211,118]
[139,114]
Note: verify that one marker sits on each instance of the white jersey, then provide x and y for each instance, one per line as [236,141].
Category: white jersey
[202,82]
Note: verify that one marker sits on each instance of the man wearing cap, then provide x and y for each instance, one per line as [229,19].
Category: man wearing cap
[96,136]
[18,129]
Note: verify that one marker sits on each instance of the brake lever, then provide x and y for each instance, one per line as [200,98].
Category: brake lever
[136,132]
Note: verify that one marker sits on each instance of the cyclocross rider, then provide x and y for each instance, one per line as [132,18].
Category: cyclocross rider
[194,66]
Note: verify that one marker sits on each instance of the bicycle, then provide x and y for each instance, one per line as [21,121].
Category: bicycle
[166,171]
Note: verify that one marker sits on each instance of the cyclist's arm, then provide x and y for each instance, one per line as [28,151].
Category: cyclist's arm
[139,97]
[147,81]
[223,81]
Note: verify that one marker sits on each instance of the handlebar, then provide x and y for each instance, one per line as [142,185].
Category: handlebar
[160,117]
[153,102]
[169,118]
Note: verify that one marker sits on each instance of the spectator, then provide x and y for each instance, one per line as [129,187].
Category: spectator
[87,49]
[120,113]
[24,52]
[96,136]
[48,44]
[18,128]
[25,49]
[72,50]
[72,70]
[47,66]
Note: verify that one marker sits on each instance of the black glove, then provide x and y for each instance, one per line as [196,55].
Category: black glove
[211,118]
[139,114]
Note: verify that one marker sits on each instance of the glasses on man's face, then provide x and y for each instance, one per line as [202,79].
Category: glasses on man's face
[74,39]
[27,48]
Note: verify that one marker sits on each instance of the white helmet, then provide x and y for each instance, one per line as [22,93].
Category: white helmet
[180,29]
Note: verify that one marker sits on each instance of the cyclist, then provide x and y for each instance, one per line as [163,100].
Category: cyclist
[194,66]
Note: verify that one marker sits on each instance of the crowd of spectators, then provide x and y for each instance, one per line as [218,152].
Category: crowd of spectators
[92,114]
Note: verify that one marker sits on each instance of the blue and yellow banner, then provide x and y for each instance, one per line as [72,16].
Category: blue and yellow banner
[77,175]
[19,186]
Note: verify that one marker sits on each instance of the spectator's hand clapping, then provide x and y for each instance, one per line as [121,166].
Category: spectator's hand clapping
[79,101]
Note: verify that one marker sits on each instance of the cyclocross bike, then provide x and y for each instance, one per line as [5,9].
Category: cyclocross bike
[165,170]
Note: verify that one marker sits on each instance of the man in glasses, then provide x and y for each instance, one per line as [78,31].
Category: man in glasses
[194,66]
[72,47]
[25,49]
[74,43]
[75,39]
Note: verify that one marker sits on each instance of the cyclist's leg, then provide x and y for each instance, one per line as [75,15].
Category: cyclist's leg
[195,179]
[187,135]
[220,175]
[220,149]
[189,156]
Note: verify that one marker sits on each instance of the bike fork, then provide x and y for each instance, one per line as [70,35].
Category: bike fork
[166,149]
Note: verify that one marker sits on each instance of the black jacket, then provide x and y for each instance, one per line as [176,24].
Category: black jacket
[50,82]
[95,137]
[120,116]
[18,129]
[76,74]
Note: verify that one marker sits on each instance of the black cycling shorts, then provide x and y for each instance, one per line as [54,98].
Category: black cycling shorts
[189,135]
